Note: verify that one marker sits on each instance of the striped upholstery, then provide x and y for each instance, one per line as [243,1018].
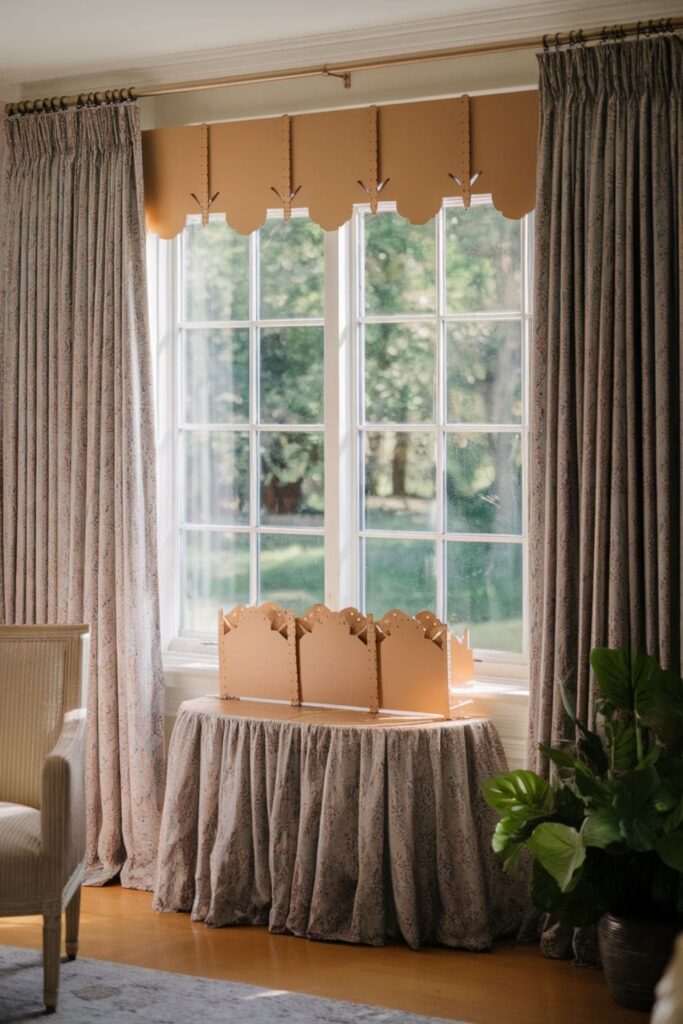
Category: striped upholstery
[32,699]
[42,785]
[21,850]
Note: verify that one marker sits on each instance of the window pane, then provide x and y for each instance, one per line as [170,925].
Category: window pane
[485,593]
[484,372]
[484,483]
[216,375]
[400,481]
[292,375]
[215,272]
[292,479]
[483,261]
[216,576]
[400,265]
[292,571]
[291,269]
[399,574]
[216,477]
[400,373]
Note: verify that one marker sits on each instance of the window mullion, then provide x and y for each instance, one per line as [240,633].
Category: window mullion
[440,552]
[254,441]
[337,420]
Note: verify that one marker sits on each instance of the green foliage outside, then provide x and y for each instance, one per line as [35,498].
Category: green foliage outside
[607,833]
[484,385]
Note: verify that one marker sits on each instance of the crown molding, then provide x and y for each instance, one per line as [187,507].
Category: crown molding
[491,24]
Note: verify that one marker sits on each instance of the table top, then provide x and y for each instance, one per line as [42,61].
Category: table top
[311,715]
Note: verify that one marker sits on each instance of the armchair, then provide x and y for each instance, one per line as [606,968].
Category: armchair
[43,673]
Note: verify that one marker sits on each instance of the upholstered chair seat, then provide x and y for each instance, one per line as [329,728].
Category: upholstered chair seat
[42,787]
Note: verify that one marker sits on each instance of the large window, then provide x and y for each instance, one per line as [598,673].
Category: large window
[347,419]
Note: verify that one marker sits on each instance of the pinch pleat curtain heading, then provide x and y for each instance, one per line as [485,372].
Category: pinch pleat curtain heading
[605,547]
[78,450]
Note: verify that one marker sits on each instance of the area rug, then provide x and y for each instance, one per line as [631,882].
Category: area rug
[96,990]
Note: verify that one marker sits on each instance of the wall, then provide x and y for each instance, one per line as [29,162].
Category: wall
[421,81]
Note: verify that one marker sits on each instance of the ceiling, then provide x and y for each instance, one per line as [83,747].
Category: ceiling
[36,42]
[41,40]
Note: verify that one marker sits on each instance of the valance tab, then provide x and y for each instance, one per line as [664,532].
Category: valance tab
[419,150]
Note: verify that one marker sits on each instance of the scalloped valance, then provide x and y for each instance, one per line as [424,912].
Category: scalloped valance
[415,154]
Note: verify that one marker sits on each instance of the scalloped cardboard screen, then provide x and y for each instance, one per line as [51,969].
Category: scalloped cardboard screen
[257,653]
[418,149]
[337,658]
[413,669]
[402,663]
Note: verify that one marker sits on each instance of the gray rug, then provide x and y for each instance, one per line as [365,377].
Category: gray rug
[96,990]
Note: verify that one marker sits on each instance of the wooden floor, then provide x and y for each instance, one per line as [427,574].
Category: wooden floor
[511,985]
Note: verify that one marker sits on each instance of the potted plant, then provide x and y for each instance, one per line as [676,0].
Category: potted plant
[606,834]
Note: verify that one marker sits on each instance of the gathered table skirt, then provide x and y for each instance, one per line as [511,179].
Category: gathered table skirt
[334,825]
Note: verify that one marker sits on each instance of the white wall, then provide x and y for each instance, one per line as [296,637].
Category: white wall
[390,85]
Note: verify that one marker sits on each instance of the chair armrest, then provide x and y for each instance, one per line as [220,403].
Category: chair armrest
[63,804]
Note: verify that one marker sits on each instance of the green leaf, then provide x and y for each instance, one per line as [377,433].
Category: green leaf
[670,849]
[634,807]
[568,694]
[569,806]
[613,673]
[600,829]
[592,751]
[652,757]
[505,832]
[520,795]
[512,855]
[675,818]
[557,756]
[559,849]
[588,785]
[639,835]
[665,716]
[621,741]
[645,677]
[583,906]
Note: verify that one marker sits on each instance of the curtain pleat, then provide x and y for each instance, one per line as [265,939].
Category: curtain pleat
[78,459]
[605,548]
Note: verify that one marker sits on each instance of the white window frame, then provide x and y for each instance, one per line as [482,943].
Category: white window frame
[342,475]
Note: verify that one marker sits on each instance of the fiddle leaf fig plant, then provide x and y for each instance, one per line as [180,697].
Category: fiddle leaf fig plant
[607,833]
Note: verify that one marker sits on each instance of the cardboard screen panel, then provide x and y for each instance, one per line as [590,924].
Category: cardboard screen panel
[337,658]
[257,653]
[414,670]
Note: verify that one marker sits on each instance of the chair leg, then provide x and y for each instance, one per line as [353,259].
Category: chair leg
[73,913]
[52,941]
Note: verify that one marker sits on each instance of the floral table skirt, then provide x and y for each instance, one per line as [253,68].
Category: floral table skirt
[333,825]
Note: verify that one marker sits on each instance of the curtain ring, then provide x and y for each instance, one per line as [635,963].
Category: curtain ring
[571,42]
[582,39]
[558,41]
[545,43]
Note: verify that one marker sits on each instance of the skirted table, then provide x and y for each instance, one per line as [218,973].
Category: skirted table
[334,825]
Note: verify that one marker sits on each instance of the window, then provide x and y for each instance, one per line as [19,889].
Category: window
[343,419]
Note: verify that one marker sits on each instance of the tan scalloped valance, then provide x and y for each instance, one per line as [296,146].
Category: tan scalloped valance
[413,153]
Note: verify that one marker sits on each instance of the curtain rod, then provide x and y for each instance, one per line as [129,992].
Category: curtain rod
[344,70]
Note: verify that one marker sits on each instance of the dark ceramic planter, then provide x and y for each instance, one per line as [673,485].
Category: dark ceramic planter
[634,954]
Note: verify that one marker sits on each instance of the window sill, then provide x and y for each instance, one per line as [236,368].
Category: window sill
[182,665]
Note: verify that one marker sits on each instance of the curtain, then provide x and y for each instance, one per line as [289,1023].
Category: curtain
[605,538]
[78,461]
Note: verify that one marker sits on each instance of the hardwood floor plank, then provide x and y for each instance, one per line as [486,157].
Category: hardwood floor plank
[511,985]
